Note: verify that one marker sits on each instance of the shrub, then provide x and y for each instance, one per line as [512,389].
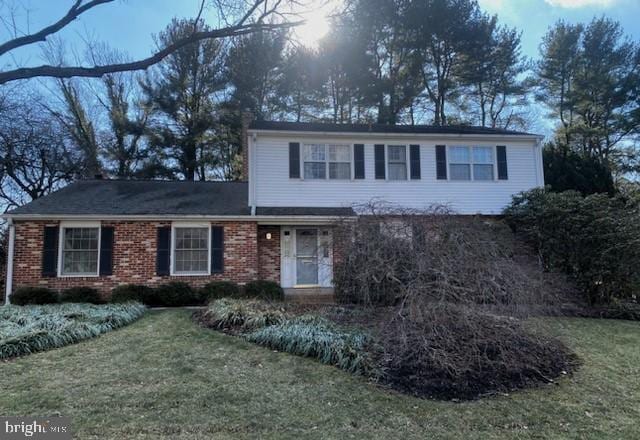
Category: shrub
[29,329]
[81,295]
[453,351]
[219,289]
[592,238]
[131,292]
[33,295]
[174,294]
[234,314]
[393,256]
[319,338]
[264,289]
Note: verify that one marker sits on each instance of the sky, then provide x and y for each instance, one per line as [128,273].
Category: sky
[128,25]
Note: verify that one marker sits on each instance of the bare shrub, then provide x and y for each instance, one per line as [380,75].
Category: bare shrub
[391,256]
[455,351]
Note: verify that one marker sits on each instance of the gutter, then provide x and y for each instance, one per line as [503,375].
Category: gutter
[167,217]
[10,250]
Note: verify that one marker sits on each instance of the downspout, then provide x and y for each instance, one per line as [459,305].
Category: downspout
[252,179]
[9,283]
[539,162]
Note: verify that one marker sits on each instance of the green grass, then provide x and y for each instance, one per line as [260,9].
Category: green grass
[32,328]
[164,377]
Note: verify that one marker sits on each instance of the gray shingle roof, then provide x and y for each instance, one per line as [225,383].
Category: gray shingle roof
[380,128]
[142,197]
[159,197]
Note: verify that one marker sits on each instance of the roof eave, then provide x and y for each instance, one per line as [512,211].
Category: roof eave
[302,133]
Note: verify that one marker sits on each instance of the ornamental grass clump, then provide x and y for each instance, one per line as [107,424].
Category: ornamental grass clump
[235,314]
[316,337]
[29,329]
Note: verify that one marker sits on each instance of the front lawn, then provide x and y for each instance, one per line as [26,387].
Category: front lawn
[163,376]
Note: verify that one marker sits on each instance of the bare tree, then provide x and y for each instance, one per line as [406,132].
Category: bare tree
[239,17]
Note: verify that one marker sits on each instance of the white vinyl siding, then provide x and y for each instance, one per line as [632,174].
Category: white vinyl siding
[271,185]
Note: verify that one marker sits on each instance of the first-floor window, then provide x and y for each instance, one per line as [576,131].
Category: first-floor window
[80,251]
[191,250]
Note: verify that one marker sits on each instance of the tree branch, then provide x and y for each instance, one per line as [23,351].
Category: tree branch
[98,71]
[74,12]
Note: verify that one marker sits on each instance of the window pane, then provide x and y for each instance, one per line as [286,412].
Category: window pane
[191,250]
[80,251]
[314,152]
[483,172]
[397,171]
[397,153]
[315,170]
[340,170]
[460,172]
[459,155]
[483,155]
[339,153]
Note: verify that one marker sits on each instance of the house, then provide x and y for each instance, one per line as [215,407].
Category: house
[299,179]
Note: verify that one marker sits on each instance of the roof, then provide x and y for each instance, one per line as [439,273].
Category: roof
[159,197]
[142,197]
[380,128]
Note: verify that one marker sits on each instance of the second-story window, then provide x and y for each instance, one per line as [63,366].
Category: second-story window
[397,162]
[471,163]
[321,161]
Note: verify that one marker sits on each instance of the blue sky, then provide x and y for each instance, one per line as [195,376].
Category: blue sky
[129,24]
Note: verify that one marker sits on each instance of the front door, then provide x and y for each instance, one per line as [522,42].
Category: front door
[306,257]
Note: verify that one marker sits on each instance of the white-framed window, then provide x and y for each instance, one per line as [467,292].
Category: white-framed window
[191,249]
[79,249]
[397,162]
[471,163]
[322,161]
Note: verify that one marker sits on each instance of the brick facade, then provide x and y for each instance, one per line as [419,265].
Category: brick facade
[269,253]
[134,256]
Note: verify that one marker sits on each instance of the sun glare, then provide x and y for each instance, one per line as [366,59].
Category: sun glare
[315,27]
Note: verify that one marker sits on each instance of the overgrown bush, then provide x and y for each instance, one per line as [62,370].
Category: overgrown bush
[321,339]
[174,294]
[131,292]
[29,329]
[237,314]
[594,239]
[219,289]
[33,295]
[264,289]
[81,295]
[392,256]
[454,351]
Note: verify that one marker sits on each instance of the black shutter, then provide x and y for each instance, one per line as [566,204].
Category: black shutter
[503,173]
[163,250]
[50,251]
[358,161]
[441,162]
[217,249]
[106,250]
[414,155]
[294,160]
[379,161]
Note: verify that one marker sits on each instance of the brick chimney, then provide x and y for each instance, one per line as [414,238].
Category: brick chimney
[245,119]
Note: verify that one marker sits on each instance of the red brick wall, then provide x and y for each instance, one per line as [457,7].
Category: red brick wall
[134,256]
[269,253]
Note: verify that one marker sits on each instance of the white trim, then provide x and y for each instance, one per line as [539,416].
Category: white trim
[77,224]
[417,136]
[10,250]
[172,258]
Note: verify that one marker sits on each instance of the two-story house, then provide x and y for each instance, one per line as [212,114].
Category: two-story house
[299,179]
